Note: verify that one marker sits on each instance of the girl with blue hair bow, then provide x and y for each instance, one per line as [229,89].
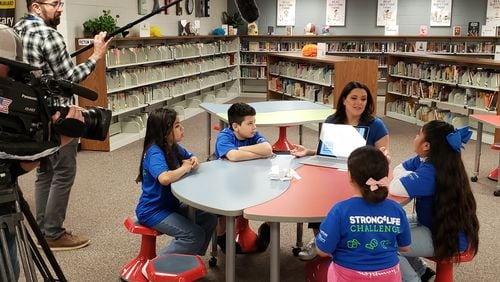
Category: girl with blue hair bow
[445,223]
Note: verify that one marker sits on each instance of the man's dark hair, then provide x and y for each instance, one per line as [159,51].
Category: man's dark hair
[29,2]
[237,113]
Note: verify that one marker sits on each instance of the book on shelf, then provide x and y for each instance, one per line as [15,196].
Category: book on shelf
[473,29]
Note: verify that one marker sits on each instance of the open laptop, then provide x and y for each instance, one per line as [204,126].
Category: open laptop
[336,142]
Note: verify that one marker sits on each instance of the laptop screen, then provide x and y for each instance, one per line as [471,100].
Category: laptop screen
[339,140]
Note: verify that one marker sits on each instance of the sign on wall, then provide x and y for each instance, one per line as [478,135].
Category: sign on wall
[441,13]
[493,13]
[7,12]
[387,12]
[286,12]
[335,12]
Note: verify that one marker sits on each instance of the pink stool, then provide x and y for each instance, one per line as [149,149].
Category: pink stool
[444,268]
[132,271]
[176,267]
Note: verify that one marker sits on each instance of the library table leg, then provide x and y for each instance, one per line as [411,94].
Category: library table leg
[282,145]
[275,251]
[230,250]
[477,156]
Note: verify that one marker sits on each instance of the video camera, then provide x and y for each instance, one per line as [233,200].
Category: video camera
[27,103]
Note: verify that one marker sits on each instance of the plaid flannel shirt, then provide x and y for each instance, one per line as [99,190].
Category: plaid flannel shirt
[44,48]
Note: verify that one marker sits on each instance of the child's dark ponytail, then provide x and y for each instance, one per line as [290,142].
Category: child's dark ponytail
[369,168]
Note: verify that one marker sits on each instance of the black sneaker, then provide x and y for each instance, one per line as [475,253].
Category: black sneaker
[264,237]
[428,274]
[496,193]
[221,241]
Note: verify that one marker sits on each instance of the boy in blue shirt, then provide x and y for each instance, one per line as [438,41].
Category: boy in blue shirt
[241,142]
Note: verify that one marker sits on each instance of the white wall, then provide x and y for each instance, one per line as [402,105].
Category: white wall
[78,11]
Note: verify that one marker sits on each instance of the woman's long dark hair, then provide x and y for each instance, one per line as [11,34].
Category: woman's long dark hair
[368,162]
[160,125]
[454,208]
[340,116]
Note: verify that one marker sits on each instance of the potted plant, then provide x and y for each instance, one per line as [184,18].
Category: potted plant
[105,22]
[234,20]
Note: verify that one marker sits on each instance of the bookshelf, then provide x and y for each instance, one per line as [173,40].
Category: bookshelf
[422,88]
[141,74]
[316,79]
[254,49]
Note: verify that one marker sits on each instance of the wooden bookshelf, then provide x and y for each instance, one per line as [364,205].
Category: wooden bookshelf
[141,74]
[422,88]
[326,75]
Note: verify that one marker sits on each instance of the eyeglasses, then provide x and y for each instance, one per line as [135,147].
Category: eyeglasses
[53,4]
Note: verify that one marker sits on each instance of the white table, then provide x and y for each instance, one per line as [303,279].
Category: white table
[227,188]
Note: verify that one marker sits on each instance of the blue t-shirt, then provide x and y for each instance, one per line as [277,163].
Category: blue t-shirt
[156,201]
[227,141]
[421,185]
[377,129]
[363,236]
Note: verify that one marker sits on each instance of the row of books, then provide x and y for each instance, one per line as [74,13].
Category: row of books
[425,112]
[145,95]
[122,78]
[468,97]
[448,73]
[253,46]
[253,72]
[313,73]
[153,53]
[302,90]
[253,58]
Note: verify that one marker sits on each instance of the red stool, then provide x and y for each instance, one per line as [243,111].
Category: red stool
[176,267]
[132,271]
[494,172]
[245,236]
[444,268]
[316,270]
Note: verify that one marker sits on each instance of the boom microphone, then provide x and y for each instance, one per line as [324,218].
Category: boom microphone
[77,89]
[248,10]
[67,87]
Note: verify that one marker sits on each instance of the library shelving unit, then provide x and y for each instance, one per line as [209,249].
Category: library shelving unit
[254,49]
[316,79]
[141,74]
[379,47]
[423,87]
[253,56]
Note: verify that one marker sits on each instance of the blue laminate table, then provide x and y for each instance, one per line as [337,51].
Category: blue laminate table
[275,113]
[227,188]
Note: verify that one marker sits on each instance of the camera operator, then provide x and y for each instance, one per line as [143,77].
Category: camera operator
[17,167]
[44,48]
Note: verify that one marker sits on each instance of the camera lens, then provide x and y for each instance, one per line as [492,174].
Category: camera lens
[97,121]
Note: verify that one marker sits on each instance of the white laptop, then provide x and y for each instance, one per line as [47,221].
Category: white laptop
[336,142]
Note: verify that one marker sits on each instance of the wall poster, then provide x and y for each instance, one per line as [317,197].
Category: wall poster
[286,13]
[335,12]
[387,12]
[441,13]
[493,13]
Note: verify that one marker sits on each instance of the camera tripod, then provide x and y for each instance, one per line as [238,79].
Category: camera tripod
[12,208]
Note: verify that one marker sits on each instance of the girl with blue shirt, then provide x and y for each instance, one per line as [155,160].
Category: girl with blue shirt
[445,223]
[163,162]
[355,107]
[363,234]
